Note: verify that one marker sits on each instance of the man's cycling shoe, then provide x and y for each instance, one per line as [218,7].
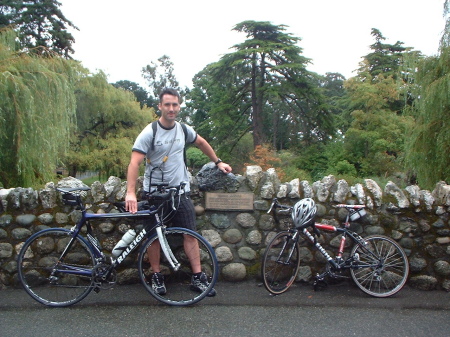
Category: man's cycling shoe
[200,283]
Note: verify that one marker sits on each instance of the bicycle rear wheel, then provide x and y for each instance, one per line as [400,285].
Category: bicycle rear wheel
[178,283]
[49,280]
[280,264]
[382,269]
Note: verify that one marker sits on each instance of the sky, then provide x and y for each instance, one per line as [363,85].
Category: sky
[121,37]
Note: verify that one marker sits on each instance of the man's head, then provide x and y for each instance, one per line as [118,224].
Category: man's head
[169,91]
[169,105]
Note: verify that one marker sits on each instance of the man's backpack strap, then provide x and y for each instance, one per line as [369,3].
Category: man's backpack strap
[185,132]
[154,127]
[183,126]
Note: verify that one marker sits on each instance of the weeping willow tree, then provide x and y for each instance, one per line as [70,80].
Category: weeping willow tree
[37,110]
[429,142]
[108,121]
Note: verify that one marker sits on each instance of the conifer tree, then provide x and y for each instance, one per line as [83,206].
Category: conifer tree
[41,25]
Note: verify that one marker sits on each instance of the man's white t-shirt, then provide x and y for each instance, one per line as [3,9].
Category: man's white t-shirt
[170,143]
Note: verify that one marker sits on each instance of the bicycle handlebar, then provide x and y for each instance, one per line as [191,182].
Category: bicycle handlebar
[275,204]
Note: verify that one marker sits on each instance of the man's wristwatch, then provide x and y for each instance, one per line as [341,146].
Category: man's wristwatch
[218,161]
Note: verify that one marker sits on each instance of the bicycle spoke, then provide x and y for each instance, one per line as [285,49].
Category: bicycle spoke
[382,269]
[281,262]
[47,281]
[178,283]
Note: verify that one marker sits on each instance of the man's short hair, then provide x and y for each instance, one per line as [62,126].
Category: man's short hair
[169,91]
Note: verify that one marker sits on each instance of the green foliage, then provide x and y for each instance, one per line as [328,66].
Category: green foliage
[429,139]
[40,24]
[385,59]
[139,92]
[287,162]
[108,121]
[343,167]
[37,111]
[374,140]
[240,153]
[262,87]
[195,158]
[159,76]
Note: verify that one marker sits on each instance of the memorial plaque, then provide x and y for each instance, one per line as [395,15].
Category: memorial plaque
[239,201]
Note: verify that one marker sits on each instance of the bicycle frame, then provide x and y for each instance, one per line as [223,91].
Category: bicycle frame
[59,267]
[337,262]
[95,247]
[377,264]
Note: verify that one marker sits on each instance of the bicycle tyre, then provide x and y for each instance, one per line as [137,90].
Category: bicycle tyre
[391,271]
[178,282]
[36,262]
[277,273]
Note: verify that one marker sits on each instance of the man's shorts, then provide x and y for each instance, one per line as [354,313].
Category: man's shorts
[185,214]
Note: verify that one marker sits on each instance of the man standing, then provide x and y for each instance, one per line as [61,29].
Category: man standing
[164,157]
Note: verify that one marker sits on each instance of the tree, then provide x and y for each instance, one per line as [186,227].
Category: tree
[385,59]
[373,120]
[37,112]
[374,142]
[158,77]
[335,93]
[262,85]
[41,25]
[429,139]
[140,93]
[108,121]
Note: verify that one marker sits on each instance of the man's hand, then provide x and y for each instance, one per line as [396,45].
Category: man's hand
[224,167]
[131,202]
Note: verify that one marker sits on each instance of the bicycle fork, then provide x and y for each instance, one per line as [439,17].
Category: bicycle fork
[166,250]
[287,260]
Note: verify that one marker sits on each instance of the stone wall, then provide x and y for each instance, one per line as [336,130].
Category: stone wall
[417,219]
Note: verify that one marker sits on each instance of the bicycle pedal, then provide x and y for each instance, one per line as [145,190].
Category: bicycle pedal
[319,284]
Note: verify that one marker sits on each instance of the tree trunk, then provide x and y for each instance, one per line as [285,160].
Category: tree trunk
[257,103]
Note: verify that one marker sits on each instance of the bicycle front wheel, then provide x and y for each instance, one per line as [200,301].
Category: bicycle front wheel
[179,288]
[280,263]
[49,279]
[382,269]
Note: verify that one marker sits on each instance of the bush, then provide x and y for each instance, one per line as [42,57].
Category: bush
[196,158]
[343,167]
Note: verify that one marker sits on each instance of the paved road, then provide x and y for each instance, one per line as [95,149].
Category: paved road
[239,309]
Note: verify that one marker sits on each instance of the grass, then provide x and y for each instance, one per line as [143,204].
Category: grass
[89,181]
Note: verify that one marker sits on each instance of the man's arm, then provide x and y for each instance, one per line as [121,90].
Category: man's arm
[132,175]
[204,146]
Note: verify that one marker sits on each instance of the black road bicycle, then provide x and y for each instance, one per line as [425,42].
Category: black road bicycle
[378,265]
[59,267]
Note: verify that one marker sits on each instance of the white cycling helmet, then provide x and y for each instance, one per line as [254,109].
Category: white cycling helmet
[304,212]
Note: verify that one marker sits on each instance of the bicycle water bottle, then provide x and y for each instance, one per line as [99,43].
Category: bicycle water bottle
[124,242]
